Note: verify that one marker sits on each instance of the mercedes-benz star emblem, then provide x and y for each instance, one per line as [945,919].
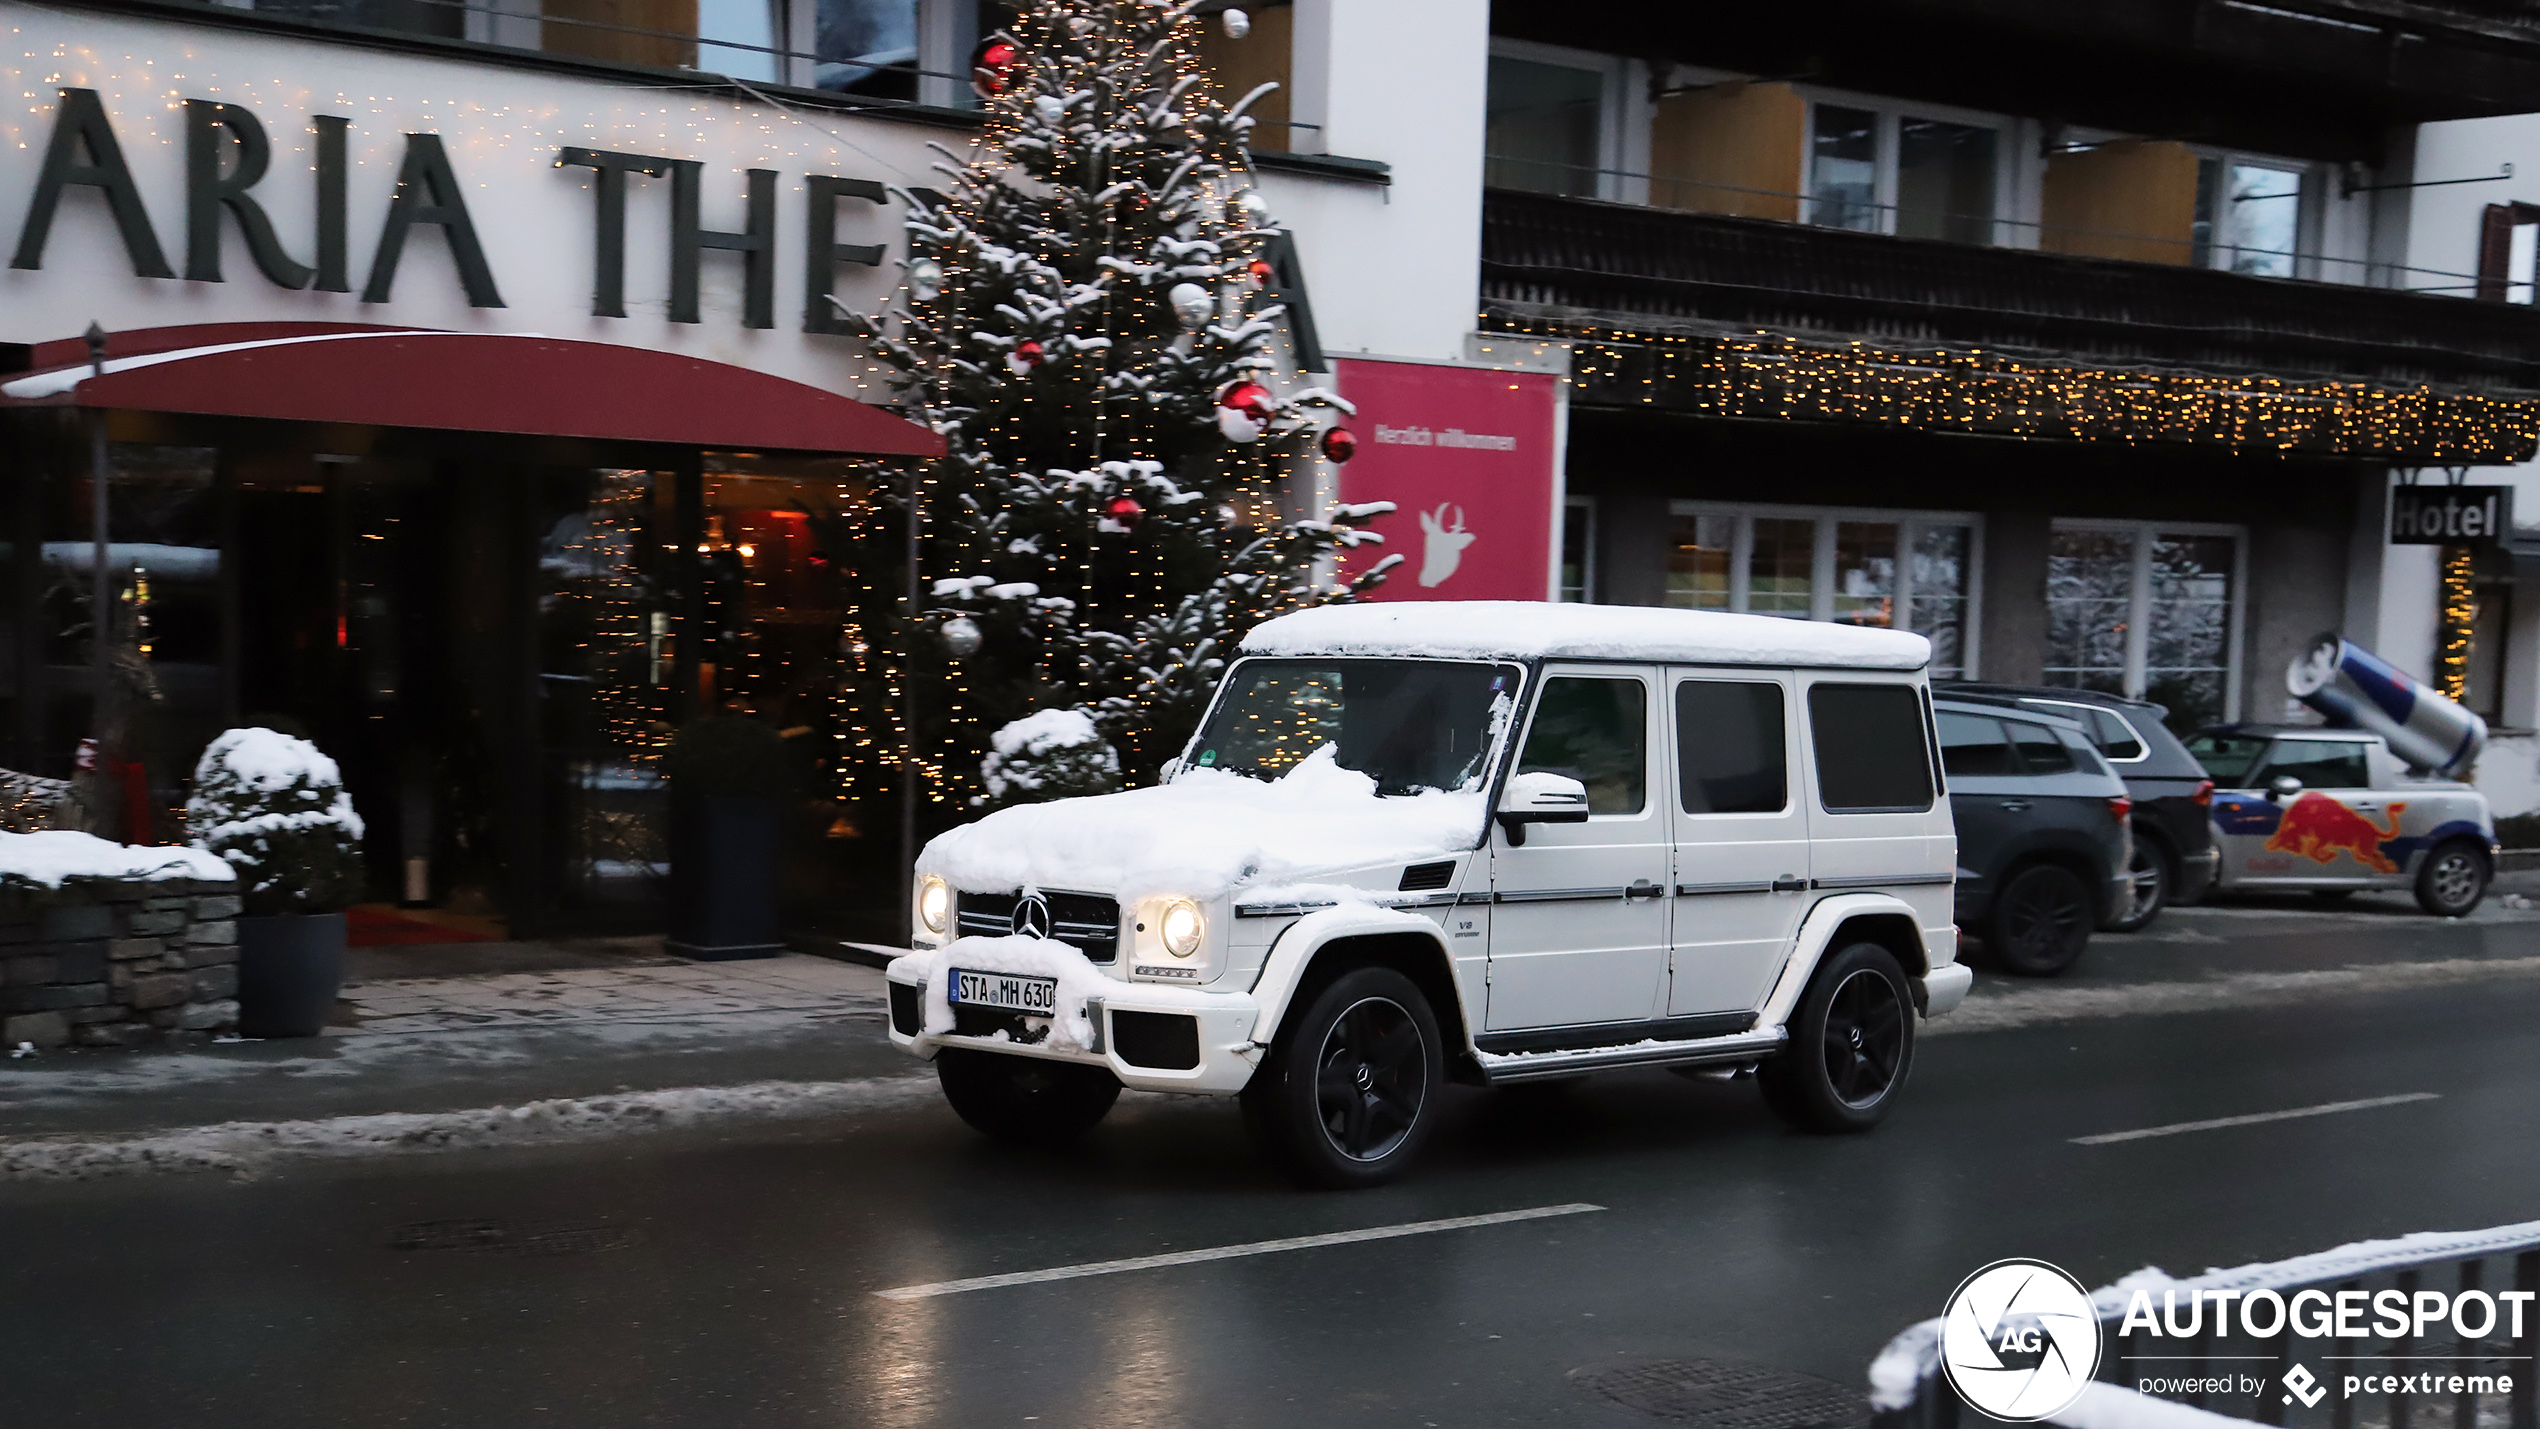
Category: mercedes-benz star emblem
[1031,917]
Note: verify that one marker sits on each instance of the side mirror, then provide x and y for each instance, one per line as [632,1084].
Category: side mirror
[2283,786]
[1541,799]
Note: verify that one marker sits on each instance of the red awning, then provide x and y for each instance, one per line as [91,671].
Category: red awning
[460,381]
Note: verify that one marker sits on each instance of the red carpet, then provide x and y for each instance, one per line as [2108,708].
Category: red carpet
[373,925]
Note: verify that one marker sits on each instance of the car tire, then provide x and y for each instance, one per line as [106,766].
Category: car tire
[2040,921]
[1851,1045]
[2150,878]
[1028,1101]
[2453,881]
[1350,1089]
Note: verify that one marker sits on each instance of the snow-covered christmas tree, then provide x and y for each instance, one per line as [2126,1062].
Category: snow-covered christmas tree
[1085,316]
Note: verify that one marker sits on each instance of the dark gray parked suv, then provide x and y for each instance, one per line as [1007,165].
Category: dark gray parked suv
[2043,838]
[2174,853]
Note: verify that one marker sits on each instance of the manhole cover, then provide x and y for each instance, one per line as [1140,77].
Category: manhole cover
[500,1238]
[1717,1394]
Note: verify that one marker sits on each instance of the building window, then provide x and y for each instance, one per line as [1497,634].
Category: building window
[1544,127]
[1887,171]
[1882,568]
[1578,549]
[2249,215]
[2149,613]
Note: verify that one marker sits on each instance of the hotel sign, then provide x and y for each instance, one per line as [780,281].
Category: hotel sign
[2450,515]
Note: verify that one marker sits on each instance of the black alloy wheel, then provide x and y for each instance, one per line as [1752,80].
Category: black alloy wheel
[2149,879]
[1851,1045]
[1349,1091]
[2040,921]
[2453,881]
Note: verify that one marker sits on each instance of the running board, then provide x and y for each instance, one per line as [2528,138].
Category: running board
[1534,1066]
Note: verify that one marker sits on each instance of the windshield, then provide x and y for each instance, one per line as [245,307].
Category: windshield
[2227,757]
[1407,724]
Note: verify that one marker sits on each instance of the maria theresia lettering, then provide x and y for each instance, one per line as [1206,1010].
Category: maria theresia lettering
[228,154]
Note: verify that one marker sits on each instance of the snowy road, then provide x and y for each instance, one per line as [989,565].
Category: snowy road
[731,1278]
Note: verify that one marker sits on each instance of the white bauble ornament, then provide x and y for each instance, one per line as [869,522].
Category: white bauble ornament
[1050,107]
[925,280]
[1193,305]
[1236,23]
[1250,209]
[961,636]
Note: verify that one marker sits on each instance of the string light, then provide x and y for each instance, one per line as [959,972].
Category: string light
[1775,375]
[2459,622]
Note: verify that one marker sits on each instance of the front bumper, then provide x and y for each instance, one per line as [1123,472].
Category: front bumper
[1223,1024]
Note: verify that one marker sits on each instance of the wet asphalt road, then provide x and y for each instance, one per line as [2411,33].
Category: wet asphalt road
[727,1279]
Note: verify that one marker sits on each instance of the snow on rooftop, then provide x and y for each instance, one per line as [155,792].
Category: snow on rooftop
[1508,629]
[52,856]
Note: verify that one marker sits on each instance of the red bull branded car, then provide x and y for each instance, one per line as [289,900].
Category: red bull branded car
[2334,811]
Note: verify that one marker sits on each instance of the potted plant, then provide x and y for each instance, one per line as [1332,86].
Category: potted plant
[275,809]
[728,778]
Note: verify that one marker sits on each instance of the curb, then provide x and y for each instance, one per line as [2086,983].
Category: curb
[876,955]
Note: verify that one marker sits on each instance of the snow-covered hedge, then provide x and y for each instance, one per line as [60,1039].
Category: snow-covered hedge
[1051,754]
[52,857]
[276,810]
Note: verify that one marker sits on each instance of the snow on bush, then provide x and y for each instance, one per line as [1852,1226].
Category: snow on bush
[1052,754]
[276,810]
[51,857]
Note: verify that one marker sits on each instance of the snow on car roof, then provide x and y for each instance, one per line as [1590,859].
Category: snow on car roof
[1523,630]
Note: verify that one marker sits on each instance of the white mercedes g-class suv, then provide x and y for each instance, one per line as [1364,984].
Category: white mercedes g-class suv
[1488,842]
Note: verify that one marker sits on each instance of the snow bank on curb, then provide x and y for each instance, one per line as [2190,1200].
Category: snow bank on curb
[52,856]
[1205,833]
[1078,979]
[243,1148]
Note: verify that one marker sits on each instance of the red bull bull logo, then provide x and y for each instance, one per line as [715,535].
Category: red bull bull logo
[2319,828]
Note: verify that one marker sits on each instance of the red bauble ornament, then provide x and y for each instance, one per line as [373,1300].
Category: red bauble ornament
[1026,355]
[992,66]
[1339,446]
[1244,411]
[1260,272]
[1122,512]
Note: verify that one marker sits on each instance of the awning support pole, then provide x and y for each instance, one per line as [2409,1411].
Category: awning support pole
[100,584]
[908,720]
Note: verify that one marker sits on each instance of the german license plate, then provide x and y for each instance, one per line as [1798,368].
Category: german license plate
[1010,992]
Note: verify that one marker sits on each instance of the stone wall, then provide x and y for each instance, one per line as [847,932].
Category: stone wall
[118,962]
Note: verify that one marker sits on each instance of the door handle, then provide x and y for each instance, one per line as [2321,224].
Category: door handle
[1642,889]
[2016,806]
[1789,883]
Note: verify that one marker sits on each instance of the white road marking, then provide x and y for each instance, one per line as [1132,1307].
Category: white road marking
[2366,1104]
[1228,1252]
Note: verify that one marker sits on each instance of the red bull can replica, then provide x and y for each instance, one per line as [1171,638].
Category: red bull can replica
[2353,688]
[2366,802]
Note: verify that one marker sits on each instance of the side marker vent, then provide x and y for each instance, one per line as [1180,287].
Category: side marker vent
[1427,877]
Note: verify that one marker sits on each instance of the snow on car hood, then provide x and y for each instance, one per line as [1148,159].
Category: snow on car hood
[1206,833]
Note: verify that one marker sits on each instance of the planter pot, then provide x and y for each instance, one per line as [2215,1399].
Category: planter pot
[724,867]
[290,966]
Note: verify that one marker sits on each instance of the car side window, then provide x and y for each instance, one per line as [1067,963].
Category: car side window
[2040,750]
[2115,738]
[1596,731]
[1868,740]
[1730,755]
[1973,747]
[2318,763]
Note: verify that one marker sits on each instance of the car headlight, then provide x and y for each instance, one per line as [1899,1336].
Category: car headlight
[1182,928]
[934,903]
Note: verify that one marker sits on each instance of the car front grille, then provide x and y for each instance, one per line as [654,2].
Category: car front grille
[1087,922]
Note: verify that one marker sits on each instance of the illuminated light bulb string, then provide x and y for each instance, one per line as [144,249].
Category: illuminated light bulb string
[1766,375]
